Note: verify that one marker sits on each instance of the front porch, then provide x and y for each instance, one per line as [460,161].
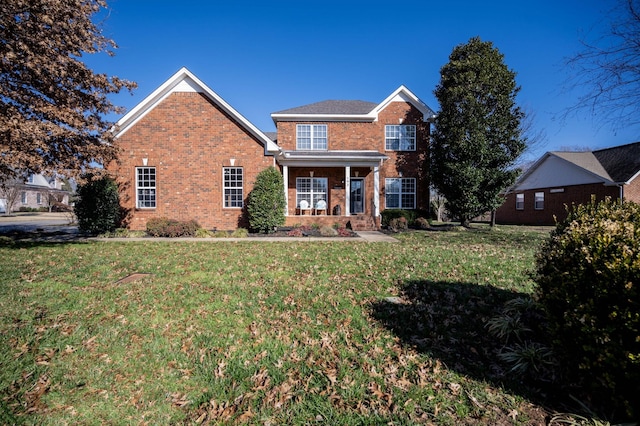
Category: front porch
[325,189]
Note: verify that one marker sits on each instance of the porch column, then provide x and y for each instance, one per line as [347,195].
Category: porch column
[285,177]
[376,190]
[347,191]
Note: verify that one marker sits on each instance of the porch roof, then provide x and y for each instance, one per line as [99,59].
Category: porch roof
[331,158]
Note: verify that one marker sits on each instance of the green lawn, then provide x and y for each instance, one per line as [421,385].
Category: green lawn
[264,333]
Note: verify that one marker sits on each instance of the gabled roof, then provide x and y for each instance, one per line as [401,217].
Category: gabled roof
[610,166]
[585,160]
[185,81]
[337,110]
[621,162]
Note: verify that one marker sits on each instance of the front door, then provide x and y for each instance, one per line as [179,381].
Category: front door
[357,196]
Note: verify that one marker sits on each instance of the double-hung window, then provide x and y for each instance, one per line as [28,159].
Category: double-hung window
[539,201]
[400,137]
[400,193]
[23,197]
[233,187]
[39,198]
[146,187]
[311,190]
[311,137]
[519,201]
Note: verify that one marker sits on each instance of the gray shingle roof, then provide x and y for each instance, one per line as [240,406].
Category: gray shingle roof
[333,107]
[621,162]
[586,160]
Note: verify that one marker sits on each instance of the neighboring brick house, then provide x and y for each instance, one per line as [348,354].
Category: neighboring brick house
[560,179]
[187,154]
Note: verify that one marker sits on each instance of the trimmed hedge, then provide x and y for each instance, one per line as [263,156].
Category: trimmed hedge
[163,227]
[266,201]
[588,282]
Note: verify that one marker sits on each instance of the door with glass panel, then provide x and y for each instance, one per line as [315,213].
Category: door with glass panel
[357,196]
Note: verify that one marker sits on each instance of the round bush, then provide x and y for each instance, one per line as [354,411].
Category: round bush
[588,282]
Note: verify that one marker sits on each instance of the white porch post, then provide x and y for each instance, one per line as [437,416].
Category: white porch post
[347,191]
[285,177]
[376,190]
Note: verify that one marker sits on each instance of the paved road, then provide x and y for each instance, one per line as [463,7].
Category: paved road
[37,222]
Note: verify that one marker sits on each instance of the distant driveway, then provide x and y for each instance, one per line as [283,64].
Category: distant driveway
[38,222]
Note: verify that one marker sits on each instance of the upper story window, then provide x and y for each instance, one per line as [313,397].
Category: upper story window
[400,137]
[146,187]
[311,137]
[233,192]
[519,201]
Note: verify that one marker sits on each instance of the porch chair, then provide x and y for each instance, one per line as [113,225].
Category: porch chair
[304,206]
[321,206]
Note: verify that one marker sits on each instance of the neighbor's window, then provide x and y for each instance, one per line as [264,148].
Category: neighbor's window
[146,187]
[519,201]
[400,138]
[400,193]
[233,187]
[311,137]
[23,197]
[39,198]
[311,190]
[539,201]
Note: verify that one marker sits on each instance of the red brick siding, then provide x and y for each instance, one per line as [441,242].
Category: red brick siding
[188,140]
[554,204]
[367,136]
[632,191]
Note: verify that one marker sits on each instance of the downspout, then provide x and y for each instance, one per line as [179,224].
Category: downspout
[621,186]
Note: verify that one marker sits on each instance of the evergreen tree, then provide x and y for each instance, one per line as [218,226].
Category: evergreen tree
[98,206]
[478,134]
[266,201]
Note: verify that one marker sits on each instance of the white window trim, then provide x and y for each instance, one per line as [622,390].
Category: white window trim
[314,196]
[232,188]
[387,185]
[403,139]
[520,204]
[536,205]
[314,139]
[154,188]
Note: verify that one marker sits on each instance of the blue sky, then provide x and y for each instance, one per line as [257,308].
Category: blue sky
[263,57]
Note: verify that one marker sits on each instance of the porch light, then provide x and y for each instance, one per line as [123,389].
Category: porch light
[356,173]
[232,161]
[400,120]
[311,173]
[400,174]
[145,161]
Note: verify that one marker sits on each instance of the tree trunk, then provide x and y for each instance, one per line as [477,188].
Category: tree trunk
[465,222]
[493,218]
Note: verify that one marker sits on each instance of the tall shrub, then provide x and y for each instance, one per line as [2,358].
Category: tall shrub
[588,279]
[266,201]
[98,205]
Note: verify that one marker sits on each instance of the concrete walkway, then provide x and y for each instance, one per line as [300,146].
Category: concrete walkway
[363,236]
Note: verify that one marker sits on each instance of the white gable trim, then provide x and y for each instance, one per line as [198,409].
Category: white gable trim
[554,171]
[185,81]
[402,94]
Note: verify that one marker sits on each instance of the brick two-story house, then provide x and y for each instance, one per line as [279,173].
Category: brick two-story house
[187,154]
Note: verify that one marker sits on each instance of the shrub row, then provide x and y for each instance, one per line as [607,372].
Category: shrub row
[411,216]
[163,227]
